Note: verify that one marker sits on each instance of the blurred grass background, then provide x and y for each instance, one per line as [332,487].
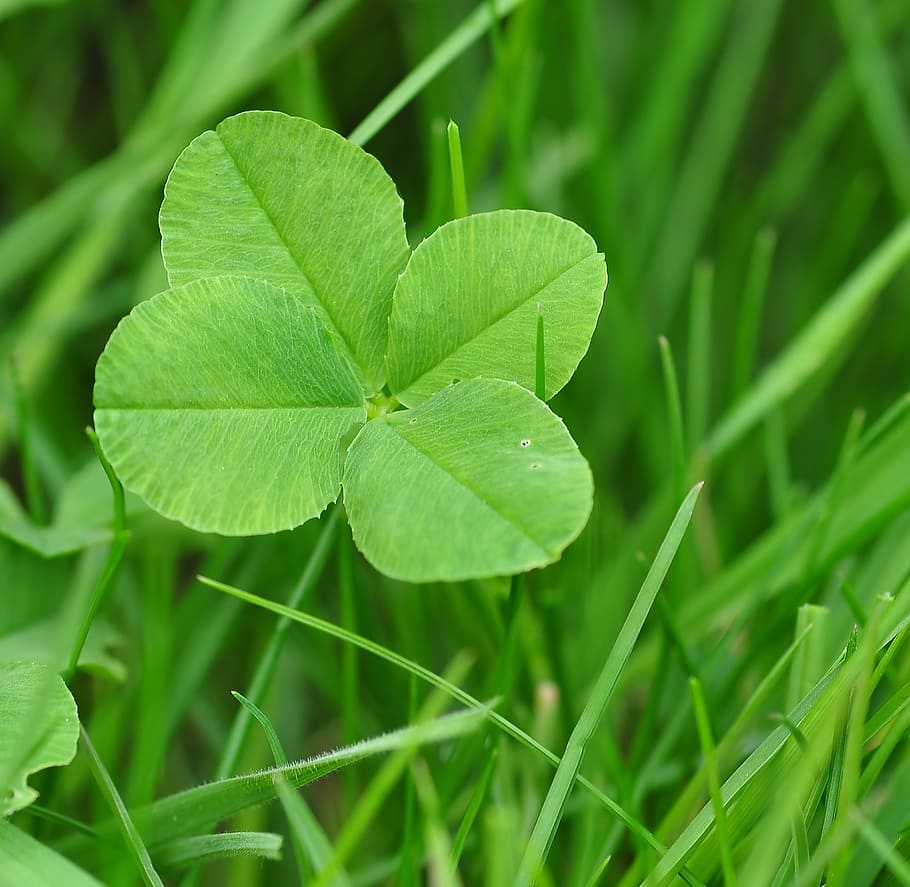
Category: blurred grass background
[737,162]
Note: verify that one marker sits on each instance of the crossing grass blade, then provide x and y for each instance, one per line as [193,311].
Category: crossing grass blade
[199,808]
[425,674]
[820,342]
[133,840]
[551,811]
[311,845]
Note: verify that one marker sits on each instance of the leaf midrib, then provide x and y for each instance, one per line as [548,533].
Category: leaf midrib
[465,484]
[498,318]
[298,262]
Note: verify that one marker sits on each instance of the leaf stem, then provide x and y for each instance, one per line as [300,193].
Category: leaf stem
[115,554]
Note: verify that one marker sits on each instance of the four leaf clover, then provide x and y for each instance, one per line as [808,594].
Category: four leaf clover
[304,348]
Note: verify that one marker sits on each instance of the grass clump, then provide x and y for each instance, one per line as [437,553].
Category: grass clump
[647,690]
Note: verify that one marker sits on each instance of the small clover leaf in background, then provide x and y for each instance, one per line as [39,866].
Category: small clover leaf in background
[40,728]
[298,322]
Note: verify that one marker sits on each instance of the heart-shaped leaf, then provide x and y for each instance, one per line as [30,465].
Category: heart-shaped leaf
[467,303]
[39,727]
[223,403]
[281,199]
[482,479]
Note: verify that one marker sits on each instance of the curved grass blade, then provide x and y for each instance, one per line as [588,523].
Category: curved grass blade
[503,724]
[199,808]
[268,662]
[310,841]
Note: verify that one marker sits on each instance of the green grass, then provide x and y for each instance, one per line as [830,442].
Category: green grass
[744,169]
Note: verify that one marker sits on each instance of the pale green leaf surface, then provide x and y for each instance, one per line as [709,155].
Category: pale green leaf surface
[39,727]
[25,862]
[480,480]
[223,404]
[281,199]
[467,303]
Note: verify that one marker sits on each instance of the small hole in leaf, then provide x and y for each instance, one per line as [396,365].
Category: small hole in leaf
[412,421]
[526,442]
[535,465]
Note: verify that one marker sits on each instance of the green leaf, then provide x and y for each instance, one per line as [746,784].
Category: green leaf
[284,200]
[224,403]
[39,727]
[28,863]
[480,480]
[82,517]
[48,541]
[467,303]
[45,641]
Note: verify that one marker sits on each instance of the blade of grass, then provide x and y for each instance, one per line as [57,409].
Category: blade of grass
[698,364]
[820,342]
[34,496]
[374,795]
[810,662]
[699,181]
[441,869]
[777,462]
[853,749]
[134,844]
[474,805]
[268,661]
[728,748]
[552,808]
[674,419]
[899,866]
[471,29]
[708,751]
[310,841]
[435,680]
[879,91]
[748,327]
[196,809]
[225,845]
[456,166]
